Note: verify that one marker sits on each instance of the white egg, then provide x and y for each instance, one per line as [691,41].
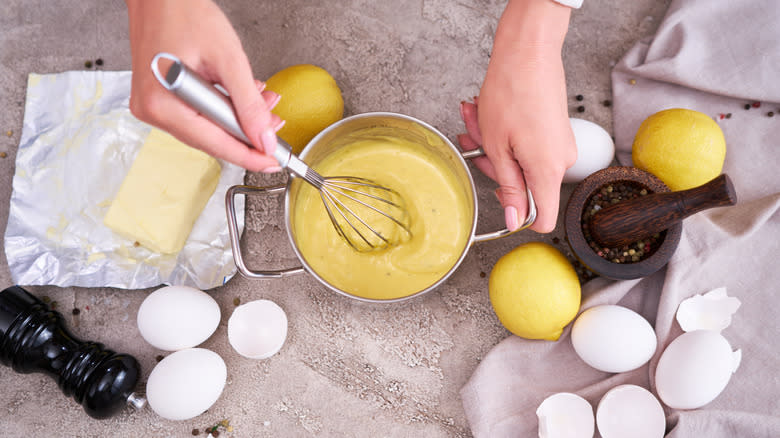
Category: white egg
[694,369]
[613,338]
[595,150]
[565,415]
[630,411]
[257,329]
[186,383]
[177,317]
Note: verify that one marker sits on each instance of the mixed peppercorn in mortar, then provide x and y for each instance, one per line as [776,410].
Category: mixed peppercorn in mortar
[610,194]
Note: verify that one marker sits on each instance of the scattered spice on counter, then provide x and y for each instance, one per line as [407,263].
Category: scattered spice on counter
[770,114]
[482,274]
[195,432]
[613,194]
[75,311]
[728,115]
[756,104]
[46,299]
[556,240]
[159,357]
[747,106]
[3,155]
[581,109]
[88,64]
[53,305]
[607,103]
[236,301]
[632,81]
[136,244]
[99,61]
[579,97]
[9,133]
[86,307]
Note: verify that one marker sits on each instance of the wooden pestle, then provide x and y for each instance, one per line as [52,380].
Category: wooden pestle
[635,219]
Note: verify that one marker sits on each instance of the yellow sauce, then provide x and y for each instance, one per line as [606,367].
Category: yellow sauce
[439,211]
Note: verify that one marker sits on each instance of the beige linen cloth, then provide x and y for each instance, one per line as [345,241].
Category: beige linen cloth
[712,56]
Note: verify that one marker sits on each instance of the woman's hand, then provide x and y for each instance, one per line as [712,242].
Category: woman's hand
[198,33]
[521,117]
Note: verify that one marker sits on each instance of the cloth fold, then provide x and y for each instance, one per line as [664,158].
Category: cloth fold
[714,57]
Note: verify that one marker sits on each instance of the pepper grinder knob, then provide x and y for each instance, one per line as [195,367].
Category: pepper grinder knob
[33,338]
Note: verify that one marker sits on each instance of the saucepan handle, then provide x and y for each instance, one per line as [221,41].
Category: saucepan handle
[529,219]
[235,243]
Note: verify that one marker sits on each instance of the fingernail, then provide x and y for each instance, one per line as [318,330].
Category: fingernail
[272,169]
[462,112]
[276,100]
[498,194]
[260,86]
[279,125]
[510,215]
[268,140]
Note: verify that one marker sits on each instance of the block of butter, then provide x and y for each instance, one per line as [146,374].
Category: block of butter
[164,192]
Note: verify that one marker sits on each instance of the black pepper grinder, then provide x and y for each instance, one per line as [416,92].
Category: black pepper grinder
[33,338]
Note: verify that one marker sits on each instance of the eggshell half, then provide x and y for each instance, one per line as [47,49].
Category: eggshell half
[613,338]
[630,411]
[565,415]
[257,329]
[186,383]
[177,317]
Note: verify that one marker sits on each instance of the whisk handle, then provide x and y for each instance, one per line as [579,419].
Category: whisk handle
[210,102]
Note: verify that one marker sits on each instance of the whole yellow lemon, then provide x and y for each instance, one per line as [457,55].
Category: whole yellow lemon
[682,147]
[311,101]
[535,291]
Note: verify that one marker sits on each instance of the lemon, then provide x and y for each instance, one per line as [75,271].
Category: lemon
[534,291]
[311,101]
[682,147]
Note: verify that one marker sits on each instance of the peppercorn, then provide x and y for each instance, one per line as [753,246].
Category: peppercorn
[579,97]
[88,64]
[770,114]
[581,109]
[747,106]
[482,275]
[99,61]
[75,312]
[236,301]
[607,103]
[613,194]
[195,432]
[728,115]
[159,357]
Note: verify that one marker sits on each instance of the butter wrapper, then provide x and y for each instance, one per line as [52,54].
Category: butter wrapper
[78,141]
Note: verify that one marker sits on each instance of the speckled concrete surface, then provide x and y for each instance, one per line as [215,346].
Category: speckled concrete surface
[347,368]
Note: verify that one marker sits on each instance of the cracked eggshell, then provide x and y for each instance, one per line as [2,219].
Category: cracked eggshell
[177,317]
[613,338]
[565,415]
[630,411]
[711,311]
[258,329]
[694,369]
[595,150]
[186,383]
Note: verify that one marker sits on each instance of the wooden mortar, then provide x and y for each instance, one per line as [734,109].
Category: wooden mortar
[573,224]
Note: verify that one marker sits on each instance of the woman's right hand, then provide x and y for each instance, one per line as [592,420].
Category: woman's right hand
[199,34]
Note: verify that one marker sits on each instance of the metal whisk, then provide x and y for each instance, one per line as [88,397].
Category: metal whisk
[366,215]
